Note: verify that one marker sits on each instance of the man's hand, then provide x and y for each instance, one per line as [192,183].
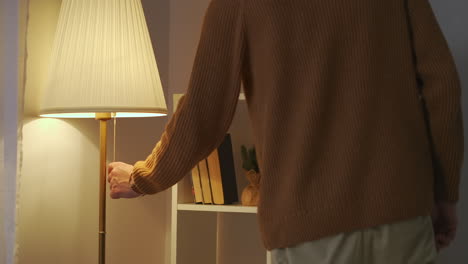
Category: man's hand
[119,177]
[445,223]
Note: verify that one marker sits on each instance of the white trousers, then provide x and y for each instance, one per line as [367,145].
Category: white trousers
[406,242]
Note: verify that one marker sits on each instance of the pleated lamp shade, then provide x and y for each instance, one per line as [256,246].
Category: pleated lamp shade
[102,62]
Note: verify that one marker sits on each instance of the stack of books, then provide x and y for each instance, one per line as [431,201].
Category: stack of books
[214,178]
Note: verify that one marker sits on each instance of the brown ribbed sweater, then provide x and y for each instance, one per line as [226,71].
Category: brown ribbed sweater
[355,108]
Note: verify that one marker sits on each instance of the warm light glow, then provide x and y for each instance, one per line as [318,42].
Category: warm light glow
[93,115]
[102,61]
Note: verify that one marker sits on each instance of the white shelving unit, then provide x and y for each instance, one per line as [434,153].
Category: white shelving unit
[197,230]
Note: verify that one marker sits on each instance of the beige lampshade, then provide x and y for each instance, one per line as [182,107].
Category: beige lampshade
[102,61]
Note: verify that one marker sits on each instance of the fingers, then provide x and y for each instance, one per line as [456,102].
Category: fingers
[118,192]
[110,169]
[113,182]
[114,195]
[117,166]
[118,178]
[444,238]
[445,223]
[110,176]
[442,242]
[115,191]
[113,165]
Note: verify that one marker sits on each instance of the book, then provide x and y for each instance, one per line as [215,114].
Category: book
[205,182]
[197,187]
[222,173]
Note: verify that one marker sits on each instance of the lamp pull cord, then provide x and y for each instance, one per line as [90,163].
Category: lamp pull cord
[115,133]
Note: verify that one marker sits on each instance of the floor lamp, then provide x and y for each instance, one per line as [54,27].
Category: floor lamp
[102,66]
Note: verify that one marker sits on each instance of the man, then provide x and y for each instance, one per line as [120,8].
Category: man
[355,108]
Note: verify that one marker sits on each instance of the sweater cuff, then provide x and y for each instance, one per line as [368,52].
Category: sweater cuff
[133,186]
[445,190]
[141,180]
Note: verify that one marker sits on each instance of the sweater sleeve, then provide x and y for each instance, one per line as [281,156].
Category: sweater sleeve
[441,94]
[204,114]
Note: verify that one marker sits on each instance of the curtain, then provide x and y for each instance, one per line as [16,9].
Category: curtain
[10,64]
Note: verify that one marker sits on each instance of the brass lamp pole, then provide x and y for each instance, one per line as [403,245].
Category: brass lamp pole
[103,118]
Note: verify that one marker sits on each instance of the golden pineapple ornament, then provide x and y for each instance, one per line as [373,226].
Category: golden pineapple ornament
[250,194]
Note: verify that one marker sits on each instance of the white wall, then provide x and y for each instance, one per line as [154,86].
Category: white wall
[58,215]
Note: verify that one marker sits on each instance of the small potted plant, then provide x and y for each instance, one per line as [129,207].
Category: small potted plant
[250,194]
